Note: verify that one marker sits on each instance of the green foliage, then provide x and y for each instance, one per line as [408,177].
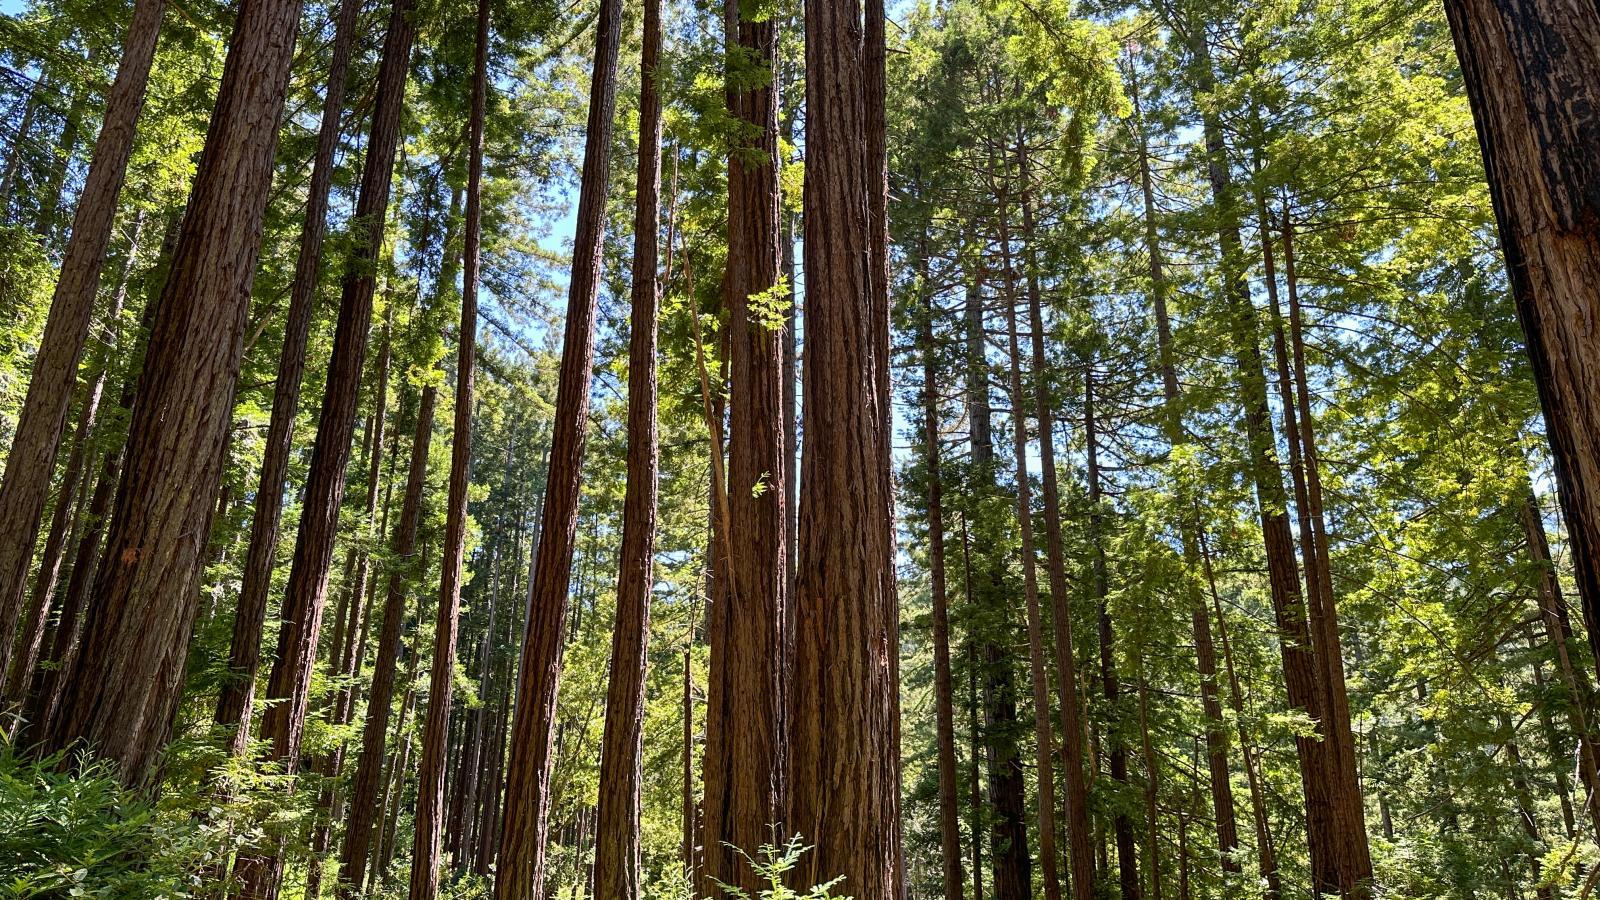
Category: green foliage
[772,864]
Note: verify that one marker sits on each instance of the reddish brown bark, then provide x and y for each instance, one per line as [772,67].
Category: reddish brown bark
[845,795]
[744,767]
[1532,73]
[380,695]
[430,777]
[617,866]
[234,704]
[527,803]
[123,689]
[69,497]
[31,459]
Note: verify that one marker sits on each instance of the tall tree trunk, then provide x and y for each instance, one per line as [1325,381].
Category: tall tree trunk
[1349,810]
[949,815]
[244,654]
[744,769]
[1044,770]
[1122,826]
[1301,672]
[430,778]
[1222,804]
[123,690]
[1009,838]
[1532,74]
[52,191]
[618,865]
[31,459]
[380,695]
[527,803]
[1079,844]
[845,795]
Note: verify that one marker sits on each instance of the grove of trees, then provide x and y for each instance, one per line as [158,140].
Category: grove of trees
[799,449]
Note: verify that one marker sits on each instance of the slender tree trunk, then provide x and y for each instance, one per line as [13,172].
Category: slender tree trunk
[1301,672]
[16,150]
[744,770]
[31,459]
[1349,809]
[1266,850]
[845,795]
[380,696]
[949,815]
[1222,803]
[1152,786]
[618,865]
[1079,844]
[123,690]
[51,192]
[1532,73]
[1044,770]
[527,804]
[1122,826]
[234,704]
[1558,630]
[430,778]
[1522,799]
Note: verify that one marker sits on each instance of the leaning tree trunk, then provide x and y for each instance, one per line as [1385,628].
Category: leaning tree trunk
[430,786]
[123,690]
[845,795]
[617,864]
[527,802]
[32,457]
[234,704]
[744,764]
[1532,73]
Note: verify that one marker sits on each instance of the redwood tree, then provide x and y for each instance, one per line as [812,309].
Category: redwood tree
[527,802]
[617,865]
[845,793]
[123,689]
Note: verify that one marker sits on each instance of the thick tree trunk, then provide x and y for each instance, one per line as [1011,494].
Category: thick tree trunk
[944,706]
[527,803]
[31,459]
[618,865]
[380,695]
[744,769]
[1532,74]
[845,795]
[123,690]
[234,704]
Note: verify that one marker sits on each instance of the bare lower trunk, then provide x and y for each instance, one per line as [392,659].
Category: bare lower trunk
[1532,73]
[845,795]
[527,804]
[121,695]
[618,865]
[234,704]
